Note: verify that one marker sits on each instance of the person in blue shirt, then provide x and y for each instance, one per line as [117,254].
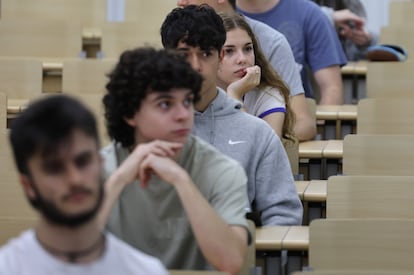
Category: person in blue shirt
[313,40]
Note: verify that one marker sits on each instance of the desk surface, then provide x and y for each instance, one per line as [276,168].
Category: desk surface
[274,238]
[355,68]
[301,186]
[297,238]
[312,148]
[334,149]
[316,191]
[337,112]
[270,237]
[15,106]
[348,112]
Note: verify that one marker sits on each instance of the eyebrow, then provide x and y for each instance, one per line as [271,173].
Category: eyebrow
[166,95]
[233,46]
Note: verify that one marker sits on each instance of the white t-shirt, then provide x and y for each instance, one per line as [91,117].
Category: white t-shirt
[261,103]
[25,256]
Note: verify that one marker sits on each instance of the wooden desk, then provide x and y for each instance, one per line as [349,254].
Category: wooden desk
[271,240]
[301,186]
[314,201]
[354,80]
[310,159]
[316,191]
[312,149]
[269,247]
[319,159]
[15,106]
[340,120]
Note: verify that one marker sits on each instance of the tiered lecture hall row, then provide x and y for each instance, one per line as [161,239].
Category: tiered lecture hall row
[343,175]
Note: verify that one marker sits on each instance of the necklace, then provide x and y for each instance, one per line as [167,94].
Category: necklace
[74,256]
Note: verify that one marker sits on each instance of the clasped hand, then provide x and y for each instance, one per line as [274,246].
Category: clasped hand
[154,157]
[248,82]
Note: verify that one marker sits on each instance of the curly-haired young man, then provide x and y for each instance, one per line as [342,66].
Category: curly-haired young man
[179,199]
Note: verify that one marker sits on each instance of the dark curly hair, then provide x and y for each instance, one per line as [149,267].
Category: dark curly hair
[137,73]
[197,26]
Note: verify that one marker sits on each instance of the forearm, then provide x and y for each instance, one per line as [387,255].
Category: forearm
[329,81]
[113,188]
[305,121]
[305,129]
[224,247]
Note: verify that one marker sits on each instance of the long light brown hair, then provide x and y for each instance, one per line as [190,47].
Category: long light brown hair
[269,76]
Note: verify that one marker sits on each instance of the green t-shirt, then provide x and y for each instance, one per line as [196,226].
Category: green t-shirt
[153,219]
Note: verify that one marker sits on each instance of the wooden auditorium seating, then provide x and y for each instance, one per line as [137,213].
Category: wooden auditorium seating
[41,39]
[398,35]
[386,116]
[390,79]
[378,155]
[370,197]
[86,76]
[148,12]
[94,103]
[292,150]
[365,244]
[120,36]
[400,13]
[20,78]
[3,111]
[13,202]
[89,13]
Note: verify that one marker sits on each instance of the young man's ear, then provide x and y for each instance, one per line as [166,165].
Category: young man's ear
[130,121]
[27,185]
[221,55]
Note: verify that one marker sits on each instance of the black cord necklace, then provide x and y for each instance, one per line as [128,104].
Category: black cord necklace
[74,256]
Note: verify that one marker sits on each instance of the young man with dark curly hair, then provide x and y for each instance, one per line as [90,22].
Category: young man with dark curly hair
[173,196]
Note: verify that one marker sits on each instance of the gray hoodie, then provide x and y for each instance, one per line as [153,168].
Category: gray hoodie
[254,144]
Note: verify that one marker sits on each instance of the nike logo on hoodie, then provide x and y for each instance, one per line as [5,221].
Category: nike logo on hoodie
[231,142]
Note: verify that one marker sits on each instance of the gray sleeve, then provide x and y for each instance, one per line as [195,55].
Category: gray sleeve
[282,59]
[276,195]
[278,52]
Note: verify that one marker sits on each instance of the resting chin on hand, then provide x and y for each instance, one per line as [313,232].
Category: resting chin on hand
[248,82]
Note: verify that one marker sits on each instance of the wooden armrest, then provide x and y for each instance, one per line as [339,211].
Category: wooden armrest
[297,238]
[312,148]
[316,191]
[334,149]
[15,106]
[270,237]
[327,112]
[348,112]
[301,186]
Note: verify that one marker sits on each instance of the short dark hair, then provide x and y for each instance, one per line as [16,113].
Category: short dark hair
[137,73]
[197,26]
[46,124]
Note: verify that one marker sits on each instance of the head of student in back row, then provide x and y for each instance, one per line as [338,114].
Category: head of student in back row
[198,34]
[150,96]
